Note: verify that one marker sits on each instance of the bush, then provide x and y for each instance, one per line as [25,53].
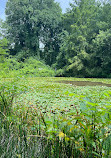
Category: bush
[30,67]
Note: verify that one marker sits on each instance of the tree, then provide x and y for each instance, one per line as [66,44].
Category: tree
[31,22]
[87,24]
[3,49]
[102,53]
[80,23]
[3,43]
[101,49]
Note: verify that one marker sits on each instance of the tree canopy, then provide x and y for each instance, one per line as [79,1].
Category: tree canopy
[85,49]
[3,44]
[31,22]
[76,43]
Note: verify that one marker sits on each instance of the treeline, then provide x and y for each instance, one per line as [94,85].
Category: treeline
[76,43]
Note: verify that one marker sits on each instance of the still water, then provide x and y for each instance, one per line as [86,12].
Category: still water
[85,83]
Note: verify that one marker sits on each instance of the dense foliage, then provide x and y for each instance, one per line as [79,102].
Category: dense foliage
[31,23]
[3,44]
[31,67]
[76,43]
[64,122]
[85,48]
[40,117]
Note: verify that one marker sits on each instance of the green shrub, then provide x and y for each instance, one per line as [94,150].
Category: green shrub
[30,67]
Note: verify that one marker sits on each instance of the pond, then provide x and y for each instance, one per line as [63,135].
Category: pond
[85,83]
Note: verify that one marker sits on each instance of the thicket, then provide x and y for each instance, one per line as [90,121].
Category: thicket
[30,67]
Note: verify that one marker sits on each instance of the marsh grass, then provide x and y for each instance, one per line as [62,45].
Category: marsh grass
[45,119]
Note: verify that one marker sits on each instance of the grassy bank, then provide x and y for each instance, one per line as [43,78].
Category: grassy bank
[41,117]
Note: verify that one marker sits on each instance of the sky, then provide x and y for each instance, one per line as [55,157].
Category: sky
[63,3]
[2,8]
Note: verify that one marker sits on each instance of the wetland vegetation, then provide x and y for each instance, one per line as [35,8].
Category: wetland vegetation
[46,109]
[41,117]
